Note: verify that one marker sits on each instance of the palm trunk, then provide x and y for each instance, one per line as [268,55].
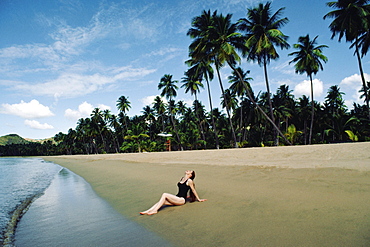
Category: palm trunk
[312,112]
[174,128]
[258,107]
[362,77]
[276,141]
[212,118]
[227,107]
[200,123]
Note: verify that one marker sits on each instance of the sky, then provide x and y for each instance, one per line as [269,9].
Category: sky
[60,59]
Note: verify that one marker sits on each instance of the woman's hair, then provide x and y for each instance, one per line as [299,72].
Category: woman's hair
[191,194]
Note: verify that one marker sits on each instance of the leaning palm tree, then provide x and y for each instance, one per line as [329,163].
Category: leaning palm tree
[262,34]
[169,88]
[351,20]
[308,60]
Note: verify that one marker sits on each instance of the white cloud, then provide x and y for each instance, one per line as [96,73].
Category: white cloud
[37,125]
[284,68]
[351,85]
[70,85]
[33,109]
[304,88]
[84,110]
[149,100]
[354,80]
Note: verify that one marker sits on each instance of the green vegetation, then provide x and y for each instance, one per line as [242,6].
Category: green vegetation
[262,119]
[12,139]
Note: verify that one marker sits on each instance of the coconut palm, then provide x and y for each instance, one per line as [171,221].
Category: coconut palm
[262,34]
[215,40]
[239,87]
[160,109]
[308,60]
[169,88]
[351,20]
[202,69]
[99,125]
[191,84]
[123,105]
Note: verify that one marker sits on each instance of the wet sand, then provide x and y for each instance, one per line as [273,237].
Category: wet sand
[315,195]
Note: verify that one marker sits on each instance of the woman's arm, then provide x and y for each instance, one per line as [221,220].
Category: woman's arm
[191,184]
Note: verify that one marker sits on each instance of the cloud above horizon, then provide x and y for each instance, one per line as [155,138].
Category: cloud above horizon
[30,110]
[37,125]
[84,110]
[353,82]
[304,88]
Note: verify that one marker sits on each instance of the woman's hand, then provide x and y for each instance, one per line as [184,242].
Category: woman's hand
[202,200]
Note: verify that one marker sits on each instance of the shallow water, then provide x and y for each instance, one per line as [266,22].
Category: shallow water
[22,180]
[71,214]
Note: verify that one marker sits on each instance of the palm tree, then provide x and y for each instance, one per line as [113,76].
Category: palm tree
[123,105]
[203,69]
[308,60]
[99,124]
[364,39]
[215,40]
[365,91]
[239,88]
[303,114]
[351,19]
[169,88]
[193,84]
[160,109]
[262,34]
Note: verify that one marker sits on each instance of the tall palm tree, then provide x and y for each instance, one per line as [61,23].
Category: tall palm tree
[169,88]
[351,20]
[308,60]
[200,61]
[215,39]
[262,34]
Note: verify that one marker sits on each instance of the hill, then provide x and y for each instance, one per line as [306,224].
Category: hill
[12,139]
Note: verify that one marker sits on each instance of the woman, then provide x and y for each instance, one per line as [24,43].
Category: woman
[186,183]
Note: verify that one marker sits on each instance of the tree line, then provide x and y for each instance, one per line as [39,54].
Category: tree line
[247,118]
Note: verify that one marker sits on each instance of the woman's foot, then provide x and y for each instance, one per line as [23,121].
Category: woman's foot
[148,212]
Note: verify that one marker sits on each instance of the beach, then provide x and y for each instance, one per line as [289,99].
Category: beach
[317,195]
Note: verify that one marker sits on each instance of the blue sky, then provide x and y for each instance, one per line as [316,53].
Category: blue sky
[59,59]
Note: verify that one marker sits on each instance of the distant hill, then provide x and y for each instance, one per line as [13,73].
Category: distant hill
[12,139]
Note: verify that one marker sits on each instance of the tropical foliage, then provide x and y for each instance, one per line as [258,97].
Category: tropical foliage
[246,118]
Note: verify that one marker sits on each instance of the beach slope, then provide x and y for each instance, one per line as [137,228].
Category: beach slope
[316,195]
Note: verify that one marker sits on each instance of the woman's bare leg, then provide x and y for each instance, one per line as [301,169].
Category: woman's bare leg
[166,199]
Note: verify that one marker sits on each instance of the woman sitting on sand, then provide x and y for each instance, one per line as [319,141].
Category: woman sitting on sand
[186,183]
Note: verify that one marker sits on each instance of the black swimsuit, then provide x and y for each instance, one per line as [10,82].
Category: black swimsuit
[183,189]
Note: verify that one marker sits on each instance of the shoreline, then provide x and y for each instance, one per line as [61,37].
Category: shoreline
[273,196]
